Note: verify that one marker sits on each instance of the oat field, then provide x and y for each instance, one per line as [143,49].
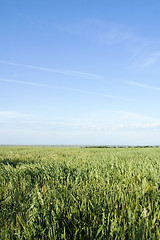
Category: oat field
[79,193]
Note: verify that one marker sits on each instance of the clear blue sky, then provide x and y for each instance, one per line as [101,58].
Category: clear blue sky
[80,72]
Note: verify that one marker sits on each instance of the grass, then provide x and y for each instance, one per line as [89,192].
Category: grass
[79,193]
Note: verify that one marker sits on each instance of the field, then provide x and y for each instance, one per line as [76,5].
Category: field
[79,193]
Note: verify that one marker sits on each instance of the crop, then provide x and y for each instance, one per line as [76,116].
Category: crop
[79,193]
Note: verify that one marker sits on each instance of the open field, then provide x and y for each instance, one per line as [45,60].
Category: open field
[79,193]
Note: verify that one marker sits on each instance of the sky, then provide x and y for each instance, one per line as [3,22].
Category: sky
[81,72]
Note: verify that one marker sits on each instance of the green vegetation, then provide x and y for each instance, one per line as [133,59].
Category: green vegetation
[79,193]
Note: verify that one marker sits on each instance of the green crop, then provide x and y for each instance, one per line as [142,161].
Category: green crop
[79,193]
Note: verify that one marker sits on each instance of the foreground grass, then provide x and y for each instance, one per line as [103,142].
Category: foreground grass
[75,193]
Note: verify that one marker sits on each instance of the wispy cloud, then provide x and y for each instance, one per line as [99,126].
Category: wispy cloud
[109,122]
[103,32]
[59,71]
[125,127]
[9,116]
[142,52]
[144,60]
[141,85]
[94,93]
[62,88]
[24,82]
[109,32]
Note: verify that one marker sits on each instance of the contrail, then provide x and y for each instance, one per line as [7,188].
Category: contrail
[137,84]
[59,71]
[62,88]
[25,82]
[92,93]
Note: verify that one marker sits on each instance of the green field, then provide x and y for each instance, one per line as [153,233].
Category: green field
[79,193]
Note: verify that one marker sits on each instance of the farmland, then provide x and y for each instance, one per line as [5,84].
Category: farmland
[79,193]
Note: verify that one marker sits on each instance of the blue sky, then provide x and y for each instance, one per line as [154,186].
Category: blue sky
[80,72]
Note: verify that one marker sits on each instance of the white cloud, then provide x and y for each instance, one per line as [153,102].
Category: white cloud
[110,121]
[136,126]
[10,115]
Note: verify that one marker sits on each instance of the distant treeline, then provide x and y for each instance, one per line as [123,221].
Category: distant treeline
[82,146]
[146,146]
